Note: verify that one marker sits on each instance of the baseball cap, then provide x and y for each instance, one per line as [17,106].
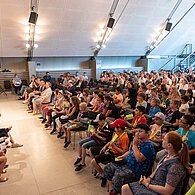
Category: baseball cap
[160,115]
[70,81]
[118,123]
[99,117]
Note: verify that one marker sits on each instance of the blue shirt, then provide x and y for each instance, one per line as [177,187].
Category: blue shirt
[141,168]
[153,111]
[190,141]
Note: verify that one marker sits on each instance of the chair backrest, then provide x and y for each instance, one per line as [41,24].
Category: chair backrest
[24,82]
[185,182]
[92,115]
[7,84]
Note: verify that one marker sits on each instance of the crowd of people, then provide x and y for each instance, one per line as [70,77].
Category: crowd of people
[140,119]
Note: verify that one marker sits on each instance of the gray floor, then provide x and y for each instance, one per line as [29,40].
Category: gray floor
[42,165]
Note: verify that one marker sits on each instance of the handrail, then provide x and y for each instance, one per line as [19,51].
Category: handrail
[176,56]
[183,60]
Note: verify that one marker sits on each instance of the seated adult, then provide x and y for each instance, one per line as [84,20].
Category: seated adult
[43,99]
[169,175]
[98,138]
[116,147]
[16,83]
[138,159]
[187,135]
[70,114]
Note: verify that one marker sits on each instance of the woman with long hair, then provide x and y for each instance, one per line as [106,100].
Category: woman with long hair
[169,174]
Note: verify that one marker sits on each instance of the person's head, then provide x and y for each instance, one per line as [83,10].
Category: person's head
[172,142]
[75,102]
[189,93]
[70,83]
[118,90]
[118,124]
[42,82]
[191,110]
[142,131]
[86,92]
[47,84]
[140,110]
[101,87]
[78,90]
[47,73]
[100,97]
[105,91]
[82,106]
[56,92]
[107,99]
[186,121]
[141,97]
[159,118]
[174,104]
[96,93]
[155,102]
[33,77]
[184,99]
[153,91]
[165,94]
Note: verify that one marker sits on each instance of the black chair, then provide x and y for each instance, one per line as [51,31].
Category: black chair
[7,85]
[24,82]
[2,90]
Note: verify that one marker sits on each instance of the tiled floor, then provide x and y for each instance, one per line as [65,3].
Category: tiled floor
[42,165]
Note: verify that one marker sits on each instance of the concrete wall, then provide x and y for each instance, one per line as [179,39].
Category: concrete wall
[14,64]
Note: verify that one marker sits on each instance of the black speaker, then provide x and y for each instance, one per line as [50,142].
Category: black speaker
[110,22]
[168,26]
[33,18]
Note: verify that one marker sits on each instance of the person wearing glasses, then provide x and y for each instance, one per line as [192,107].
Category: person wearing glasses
[187,135]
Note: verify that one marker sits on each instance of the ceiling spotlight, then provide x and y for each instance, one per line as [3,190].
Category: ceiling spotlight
[36,45]
[104,46]
[27,45]
[98,46]
[168,26]
[110,22]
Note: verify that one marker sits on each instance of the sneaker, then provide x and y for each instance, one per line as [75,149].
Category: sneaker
[103,182]
[96,174]
[65,139]
[60,134]
[79,167]
[53,131]
[40,117]
[78,160]
[112,193]
[16,145]
[43,121]
[67,144]
[47,125]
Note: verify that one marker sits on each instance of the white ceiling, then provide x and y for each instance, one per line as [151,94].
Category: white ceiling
[69,27]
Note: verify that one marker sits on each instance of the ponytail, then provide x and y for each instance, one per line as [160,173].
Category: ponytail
[184,157]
